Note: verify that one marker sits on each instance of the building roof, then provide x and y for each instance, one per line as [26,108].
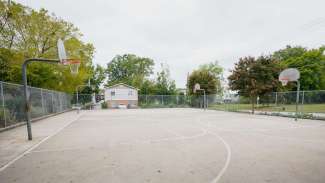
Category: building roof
[128,86]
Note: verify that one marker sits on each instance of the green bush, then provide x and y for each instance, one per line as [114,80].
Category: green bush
[104,105]
[2,116]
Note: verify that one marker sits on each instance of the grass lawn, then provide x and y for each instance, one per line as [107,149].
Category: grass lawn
[306,108]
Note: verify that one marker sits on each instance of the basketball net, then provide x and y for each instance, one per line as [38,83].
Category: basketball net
[284,81]
[73,64]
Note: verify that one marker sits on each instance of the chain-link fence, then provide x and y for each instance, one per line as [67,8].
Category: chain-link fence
[85,101]
[163,101]
[43,102]
[311,104]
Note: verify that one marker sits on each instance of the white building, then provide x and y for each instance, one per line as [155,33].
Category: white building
[121,96]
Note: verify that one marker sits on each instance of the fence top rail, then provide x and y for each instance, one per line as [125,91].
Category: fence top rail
[301,91]
[15,84]
[236,94]
[163,95]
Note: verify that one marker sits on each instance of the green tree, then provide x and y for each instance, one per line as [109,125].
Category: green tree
[212,67]
[148,87]
[254,77]
[206,79]
[97,77]
[164,84]
[129,69]
[5,55]
[310,63]
[85,95]
[290,52]
[28,33]
[215,69]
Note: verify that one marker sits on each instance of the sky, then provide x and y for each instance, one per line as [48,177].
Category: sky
[187,33]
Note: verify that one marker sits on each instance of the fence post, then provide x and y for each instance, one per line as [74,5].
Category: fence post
[3,105]
[42,101]
[276,99]
[60,102]
[162,99]
[302,102]
[207,101]
[65,101]
[52,101]
[297,100]
[226,106]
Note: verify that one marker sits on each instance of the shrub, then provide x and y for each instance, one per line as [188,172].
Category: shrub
[104,105]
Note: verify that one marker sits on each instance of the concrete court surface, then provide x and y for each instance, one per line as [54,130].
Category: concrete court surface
[175,145]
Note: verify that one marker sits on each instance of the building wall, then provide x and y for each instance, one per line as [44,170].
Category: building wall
[116,103]
[121,94]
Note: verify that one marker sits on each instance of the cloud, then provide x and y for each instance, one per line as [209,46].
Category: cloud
[187,33]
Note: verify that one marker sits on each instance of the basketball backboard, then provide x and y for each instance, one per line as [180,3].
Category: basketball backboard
[73,63]
[287,75]
[196,87]
[61,52]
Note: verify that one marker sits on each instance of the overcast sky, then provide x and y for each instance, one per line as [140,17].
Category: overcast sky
[187,33]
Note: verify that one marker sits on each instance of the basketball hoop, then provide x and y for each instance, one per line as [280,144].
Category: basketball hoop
[287,75]
[74,65]
[291,74]
[196,87]
[283,81]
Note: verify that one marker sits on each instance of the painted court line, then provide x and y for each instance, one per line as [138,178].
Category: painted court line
[174,133]
[55,150]
[224,168]
[36,145]
[228,149]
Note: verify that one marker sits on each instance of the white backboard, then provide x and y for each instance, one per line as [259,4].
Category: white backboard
[196,87]
[61,51]
[290,74]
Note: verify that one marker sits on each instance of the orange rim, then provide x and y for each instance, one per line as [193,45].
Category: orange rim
[71,61]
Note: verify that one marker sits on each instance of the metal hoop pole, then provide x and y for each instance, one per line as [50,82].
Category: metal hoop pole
[3,104]
[297,99]
[27,94]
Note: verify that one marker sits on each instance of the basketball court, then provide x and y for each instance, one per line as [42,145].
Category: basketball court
[172,145]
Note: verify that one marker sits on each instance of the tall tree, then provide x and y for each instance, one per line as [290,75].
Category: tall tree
[164,84]
[5,56]
[289,52]
[28,33]
[148,87]
[212,67]
[129,69]
[310,63]
[206,79]
[97,77]
[215,69]
[253,77]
